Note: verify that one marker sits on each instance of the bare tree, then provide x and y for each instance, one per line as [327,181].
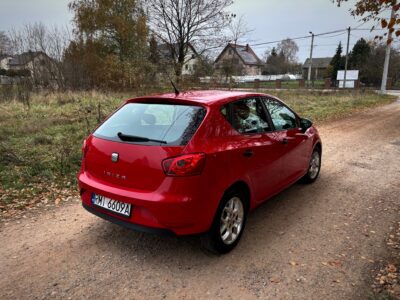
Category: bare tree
[267,53]
[37,38]
[289,50]
[238,30]
[58,40]
[5,43]
[31,37]
[179,23]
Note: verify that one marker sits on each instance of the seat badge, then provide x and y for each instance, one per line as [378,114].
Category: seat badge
[114,157]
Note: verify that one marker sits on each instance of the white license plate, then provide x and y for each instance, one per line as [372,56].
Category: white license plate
[115,206]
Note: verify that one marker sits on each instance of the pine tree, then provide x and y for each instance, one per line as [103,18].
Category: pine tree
[337,62]
[360,54]
[154,55]
[276,62]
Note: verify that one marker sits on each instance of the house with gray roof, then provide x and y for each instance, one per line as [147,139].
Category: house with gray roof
[27,60]
[41,68]
[238,60]
[318,67]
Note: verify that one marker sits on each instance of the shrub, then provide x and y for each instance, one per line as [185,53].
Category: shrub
[18,73]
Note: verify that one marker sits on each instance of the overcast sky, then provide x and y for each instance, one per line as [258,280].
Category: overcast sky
[271,20]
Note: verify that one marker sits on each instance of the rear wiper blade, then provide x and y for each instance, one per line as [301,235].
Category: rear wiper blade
[135,138]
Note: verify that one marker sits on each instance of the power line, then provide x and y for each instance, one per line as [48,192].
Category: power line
[331,36]
[357,27]
[300,38]
[320,45]
[274,42]
[369,29]
[335,33]
[330,45]
[340,31]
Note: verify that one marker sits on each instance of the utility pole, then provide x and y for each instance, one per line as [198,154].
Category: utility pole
[387,58]
[311,53]
[347,57]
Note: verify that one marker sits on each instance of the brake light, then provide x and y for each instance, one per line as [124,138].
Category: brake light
[184,165]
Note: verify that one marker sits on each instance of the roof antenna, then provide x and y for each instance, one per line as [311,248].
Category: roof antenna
[175,89]
[177,92]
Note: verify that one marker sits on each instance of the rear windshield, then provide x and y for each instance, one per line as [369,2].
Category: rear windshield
[152,124]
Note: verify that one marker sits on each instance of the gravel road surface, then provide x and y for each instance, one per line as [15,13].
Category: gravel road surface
[316,241]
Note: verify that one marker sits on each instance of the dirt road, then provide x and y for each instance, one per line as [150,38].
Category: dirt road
[315,241]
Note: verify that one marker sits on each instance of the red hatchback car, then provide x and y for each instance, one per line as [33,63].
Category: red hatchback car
[195,162]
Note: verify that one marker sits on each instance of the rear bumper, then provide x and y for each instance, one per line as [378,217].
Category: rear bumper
[128,225]
[176,207]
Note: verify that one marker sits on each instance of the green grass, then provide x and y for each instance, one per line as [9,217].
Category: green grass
[323,106]
[41,144]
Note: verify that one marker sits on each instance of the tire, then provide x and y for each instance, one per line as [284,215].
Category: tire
[228,225]
[314,167]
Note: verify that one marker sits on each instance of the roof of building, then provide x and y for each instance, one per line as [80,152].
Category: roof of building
[3,56]
[318,62]
[24,58]
[245,53]
[165,50]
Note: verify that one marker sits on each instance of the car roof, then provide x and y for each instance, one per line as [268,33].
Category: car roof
[205,97]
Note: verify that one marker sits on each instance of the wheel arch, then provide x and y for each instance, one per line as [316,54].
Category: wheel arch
[241,186]
[318,145]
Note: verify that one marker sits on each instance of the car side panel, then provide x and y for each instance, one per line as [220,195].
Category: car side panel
[296,154]
[261,171]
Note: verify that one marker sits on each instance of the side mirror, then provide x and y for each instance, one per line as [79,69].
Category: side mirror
[305,124]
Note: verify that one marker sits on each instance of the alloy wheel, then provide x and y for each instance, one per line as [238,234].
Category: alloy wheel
[231,220]
[314,165]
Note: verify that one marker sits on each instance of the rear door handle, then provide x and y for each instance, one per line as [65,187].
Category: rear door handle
[248,153]
[285,141]
[301,135]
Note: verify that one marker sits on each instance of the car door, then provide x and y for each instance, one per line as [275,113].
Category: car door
[256,149]
[295,143]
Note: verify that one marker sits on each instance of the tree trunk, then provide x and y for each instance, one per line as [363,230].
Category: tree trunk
[181,61]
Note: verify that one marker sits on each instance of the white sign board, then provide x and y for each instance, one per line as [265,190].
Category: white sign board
[351,75]
[349,84]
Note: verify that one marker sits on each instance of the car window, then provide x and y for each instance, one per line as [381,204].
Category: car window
[282,117]
[175,124]
[161,114]
[248,116]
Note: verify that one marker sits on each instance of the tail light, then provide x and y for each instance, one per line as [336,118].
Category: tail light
[184,165]
[84,151]
[84,148]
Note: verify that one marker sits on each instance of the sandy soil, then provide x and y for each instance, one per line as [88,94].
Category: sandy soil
[316,241]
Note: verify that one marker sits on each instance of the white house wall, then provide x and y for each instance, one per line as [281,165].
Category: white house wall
[190,63]
[4,63]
